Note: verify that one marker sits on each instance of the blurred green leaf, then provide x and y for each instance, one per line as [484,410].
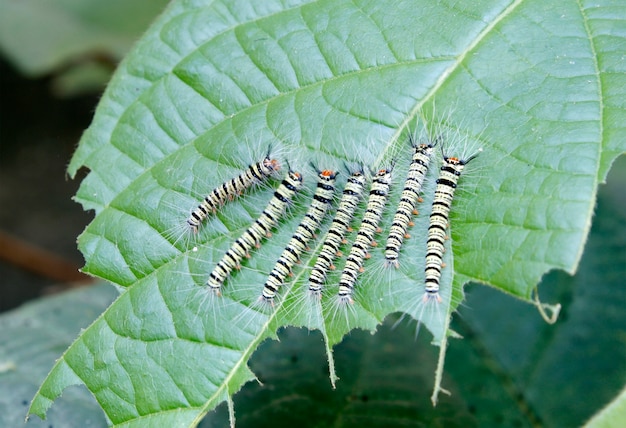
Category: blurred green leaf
[81,79]
[40,36]
[31,338]
[334,82]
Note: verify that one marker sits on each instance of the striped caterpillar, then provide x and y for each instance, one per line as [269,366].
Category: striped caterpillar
[256,232]
[352,194]
[303,234]
[231,189]
[365,236]
[408,201]
[444,193]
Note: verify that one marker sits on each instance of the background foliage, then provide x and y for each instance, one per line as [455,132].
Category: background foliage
[80,41]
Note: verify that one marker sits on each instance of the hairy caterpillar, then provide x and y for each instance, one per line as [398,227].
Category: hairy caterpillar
[365,236]
[303,234]
[352,194]
[444,193]
[256,232]
[408,201]
[230,189]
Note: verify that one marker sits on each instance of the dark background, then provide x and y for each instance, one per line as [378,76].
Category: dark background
[38,134]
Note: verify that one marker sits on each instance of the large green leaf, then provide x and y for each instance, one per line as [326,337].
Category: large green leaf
[537,85]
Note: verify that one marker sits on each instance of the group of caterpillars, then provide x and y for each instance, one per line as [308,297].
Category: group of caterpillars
[261,228]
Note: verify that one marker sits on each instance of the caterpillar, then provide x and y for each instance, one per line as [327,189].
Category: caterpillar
[304,232]
[254,234]
[365,236]
[230,189]
[444,193]
[408,201]
[352,194]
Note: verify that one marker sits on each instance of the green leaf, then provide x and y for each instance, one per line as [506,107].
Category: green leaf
[530,82]
[31,338]
[39,36]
